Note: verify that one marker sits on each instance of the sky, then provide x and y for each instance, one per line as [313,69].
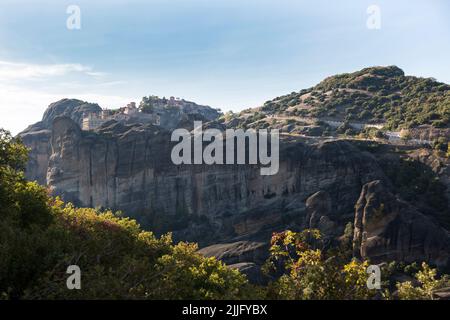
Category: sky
[227,54]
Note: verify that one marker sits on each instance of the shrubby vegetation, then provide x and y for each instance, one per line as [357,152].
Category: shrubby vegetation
[416,183]
[372,133]
[41,236]
[306,270]
[314,273]
[443,145]
[428,283]
[377,94]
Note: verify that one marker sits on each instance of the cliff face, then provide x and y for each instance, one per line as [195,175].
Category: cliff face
[129,169]
[71,108]
[37,136]
[387,228]
[39,143]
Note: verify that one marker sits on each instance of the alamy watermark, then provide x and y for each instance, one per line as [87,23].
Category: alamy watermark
[374,20]
[374,279]
[73,22]
[74,280]
[190,149]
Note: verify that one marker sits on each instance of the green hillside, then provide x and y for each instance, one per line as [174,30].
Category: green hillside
[376,94]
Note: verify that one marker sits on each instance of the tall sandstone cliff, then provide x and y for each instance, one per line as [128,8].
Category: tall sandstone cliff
[129,169]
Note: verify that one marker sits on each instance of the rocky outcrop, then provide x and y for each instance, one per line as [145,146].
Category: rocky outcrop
[37,136]
[128,168]
[245,256]
[439,164]
[173,111]
[387,228]
[238,252]
[252,271]
[442,294]
[71,108]
[38,141]
[319,214]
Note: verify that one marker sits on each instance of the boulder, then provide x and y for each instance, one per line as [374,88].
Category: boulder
[318,211]
[237,252]
[388,228]
[251,270]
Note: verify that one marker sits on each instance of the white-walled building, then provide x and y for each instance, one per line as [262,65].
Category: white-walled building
[129,113]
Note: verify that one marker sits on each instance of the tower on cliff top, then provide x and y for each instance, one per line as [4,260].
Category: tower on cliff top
[131,108]
[91,121]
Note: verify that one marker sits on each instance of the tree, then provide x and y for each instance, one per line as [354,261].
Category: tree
[428,283]
[441,144]
[309,272]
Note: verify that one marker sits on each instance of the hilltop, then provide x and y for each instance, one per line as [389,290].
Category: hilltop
[372,95]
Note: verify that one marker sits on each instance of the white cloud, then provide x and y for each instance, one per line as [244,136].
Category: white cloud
[26,71]
[23,102]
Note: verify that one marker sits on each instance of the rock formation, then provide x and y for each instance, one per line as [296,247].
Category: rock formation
[37,136]
[319,210]
[387,228]
[128,168]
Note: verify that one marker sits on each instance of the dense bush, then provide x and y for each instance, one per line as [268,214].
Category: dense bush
[428,283]
[309,272]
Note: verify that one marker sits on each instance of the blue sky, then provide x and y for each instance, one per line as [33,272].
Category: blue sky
[227,54]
